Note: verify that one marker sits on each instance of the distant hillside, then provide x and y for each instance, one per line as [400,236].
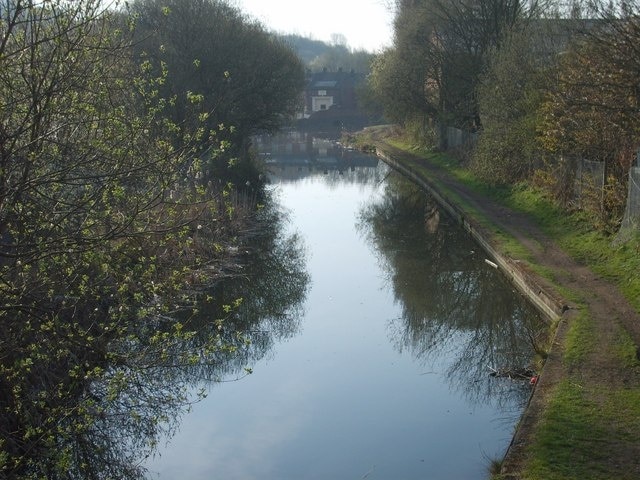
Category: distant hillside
[318,55]
[307,48]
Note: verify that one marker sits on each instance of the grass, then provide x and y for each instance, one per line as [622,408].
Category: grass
[619,264]
[581,340]
[512,247]
[582,431]
[562,447]
[566,445]
[625,350]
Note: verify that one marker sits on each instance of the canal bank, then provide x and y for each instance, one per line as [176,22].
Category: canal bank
[591,440]
[542,296]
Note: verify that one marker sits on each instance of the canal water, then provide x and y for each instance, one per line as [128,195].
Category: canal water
[381,366]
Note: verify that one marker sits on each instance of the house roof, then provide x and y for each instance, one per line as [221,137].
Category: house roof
[326,83]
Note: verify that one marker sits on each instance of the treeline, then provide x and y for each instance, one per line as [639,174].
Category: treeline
[126,186]
[318,55]
[220,69]
[544,84]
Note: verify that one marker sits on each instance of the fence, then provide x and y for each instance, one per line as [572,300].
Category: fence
[589,184]
[588,179]
[589,191]
[631,219]
[452,138]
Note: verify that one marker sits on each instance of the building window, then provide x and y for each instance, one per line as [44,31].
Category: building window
[322,93]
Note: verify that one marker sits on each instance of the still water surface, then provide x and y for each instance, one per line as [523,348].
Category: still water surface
[383,372]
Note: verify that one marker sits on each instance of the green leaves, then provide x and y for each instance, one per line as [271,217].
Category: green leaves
[99,271]
[114,229]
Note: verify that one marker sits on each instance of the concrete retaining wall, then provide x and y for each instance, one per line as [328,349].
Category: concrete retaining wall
[548,304]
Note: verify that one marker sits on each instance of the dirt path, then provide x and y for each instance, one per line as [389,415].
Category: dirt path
[609,312]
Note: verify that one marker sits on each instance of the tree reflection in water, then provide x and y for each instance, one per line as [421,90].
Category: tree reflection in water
[458,314]
[133,384]
[267,297]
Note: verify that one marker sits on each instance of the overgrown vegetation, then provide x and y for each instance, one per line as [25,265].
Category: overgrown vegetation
[195,44]
[114,221]
[545,86]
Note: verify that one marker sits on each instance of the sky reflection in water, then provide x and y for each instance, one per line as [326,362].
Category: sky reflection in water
[387,377]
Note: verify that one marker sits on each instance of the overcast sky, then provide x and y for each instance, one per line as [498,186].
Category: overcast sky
[365,23]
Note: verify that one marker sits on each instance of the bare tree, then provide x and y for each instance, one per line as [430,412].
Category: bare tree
[446,44]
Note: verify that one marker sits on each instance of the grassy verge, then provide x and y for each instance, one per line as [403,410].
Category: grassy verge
[587,430]
[583,433]
[581,340]
[626,350]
